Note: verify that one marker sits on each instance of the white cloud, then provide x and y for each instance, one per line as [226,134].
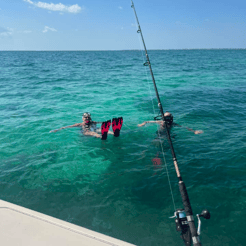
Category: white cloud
[74,9]
[6,32]
[46,29]
[120,7]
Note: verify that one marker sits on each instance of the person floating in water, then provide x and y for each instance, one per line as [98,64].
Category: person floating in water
[89,127]
[169,120]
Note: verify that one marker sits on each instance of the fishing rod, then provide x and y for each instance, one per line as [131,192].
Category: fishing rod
[184,218]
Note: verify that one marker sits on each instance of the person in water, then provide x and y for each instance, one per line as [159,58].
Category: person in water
[169,120]
[88,126]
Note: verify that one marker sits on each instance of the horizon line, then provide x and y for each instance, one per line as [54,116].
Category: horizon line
[125,50]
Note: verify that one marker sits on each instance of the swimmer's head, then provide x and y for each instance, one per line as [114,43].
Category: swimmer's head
[86,117]
[168,118]
[167,114]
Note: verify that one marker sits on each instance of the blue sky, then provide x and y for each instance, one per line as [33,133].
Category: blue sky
[111,25]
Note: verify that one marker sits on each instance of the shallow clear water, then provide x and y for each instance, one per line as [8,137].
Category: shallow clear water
[112,186]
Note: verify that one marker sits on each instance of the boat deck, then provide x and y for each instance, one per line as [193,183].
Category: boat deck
[21,226]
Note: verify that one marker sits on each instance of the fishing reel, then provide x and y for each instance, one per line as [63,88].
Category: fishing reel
[183,226]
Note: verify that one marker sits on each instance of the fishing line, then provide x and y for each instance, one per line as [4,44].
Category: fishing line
[146,73]
[184,218]
[159,135]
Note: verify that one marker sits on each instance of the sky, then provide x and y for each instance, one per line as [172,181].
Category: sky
[111,24]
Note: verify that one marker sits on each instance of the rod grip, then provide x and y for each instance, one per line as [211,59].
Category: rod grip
[189,214]
[185,198]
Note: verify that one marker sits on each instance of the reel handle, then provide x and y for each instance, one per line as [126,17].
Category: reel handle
[205,214]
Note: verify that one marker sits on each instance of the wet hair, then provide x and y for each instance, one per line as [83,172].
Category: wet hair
[167,113]
[86,114]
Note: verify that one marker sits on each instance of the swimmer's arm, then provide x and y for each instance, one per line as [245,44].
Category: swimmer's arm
[189,129]
[64,127]
[146,122]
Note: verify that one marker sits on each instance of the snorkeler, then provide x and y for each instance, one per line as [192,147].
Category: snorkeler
[169,120]
[89,127]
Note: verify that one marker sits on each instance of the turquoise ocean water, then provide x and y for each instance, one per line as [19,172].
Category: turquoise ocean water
[112,186]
